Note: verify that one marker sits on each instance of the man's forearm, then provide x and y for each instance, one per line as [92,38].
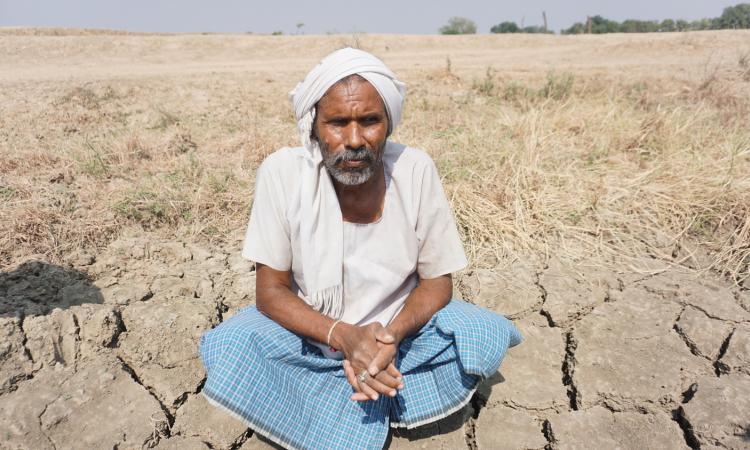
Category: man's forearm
[292,313]
[429,297]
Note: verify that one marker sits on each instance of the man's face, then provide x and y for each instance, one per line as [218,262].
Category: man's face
[351,127]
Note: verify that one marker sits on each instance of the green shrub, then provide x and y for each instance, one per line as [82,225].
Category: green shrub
[459,25]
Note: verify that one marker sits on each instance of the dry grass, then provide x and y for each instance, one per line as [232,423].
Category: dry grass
[611,145]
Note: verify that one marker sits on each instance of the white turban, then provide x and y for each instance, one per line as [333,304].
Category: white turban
[322,231]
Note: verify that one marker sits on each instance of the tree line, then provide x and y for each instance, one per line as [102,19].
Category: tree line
[733,17]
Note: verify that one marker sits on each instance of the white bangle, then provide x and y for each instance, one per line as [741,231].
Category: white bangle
[330,332]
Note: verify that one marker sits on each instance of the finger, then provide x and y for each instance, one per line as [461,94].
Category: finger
[380,388]
[386,354]
[392,371]
[366,389]
[379,362]
[359,397]
[350,377]
[391,382]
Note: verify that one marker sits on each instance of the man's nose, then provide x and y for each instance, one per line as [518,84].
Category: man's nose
[353,137]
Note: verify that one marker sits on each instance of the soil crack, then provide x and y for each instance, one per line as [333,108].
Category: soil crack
[685,338]
[240,441]
[711,316]
[678,415]
[568,367]
[41,425]
[543,292]
[471,434]
[24,340]
[719,367]
[547,432]
[477,403]
[170,418]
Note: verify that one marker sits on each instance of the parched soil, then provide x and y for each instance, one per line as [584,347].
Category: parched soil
[104,354]
[616,246]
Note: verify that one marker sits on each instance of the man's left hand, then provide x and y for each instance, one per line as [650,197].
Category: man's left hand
[383,363]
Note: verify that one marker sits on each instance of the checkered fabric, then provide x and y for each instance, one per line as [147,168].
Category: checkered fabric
[284,389]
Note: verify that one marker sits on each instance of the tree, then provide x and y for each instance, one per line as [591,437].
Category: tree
[735,17]
[668,25]
[459,25]
[576,28]
[505,27]
[534,29]
[601,25]
[632,26]
[701,24]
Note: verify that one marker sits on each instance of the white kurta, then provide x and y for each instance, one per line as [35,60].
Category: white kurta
[416,236]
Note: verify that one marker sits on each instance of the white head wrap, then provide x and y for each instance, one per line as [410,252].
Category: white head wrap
[322,232]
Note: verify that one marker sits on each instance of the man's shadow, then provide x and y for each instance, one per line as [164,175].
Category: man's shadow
[36,288]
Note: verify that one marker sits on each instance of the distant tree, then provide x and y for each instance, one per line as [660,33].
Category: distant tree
[643,26]
[277,33]
[668,25]
[735,17]
[576,28]
[534,29]
[632,26]
[505,27]
[701,24]
[459,25]
[601,25]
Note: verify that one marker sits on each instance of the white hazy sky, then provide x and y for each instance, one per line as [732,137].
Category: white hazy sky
[326,16]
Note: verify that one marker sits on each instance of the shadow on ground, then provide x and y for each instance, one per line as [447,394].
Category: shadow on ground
[36,288]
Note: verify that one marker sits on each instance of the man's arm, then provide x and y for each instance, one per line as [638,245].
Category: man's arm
[429,297]
[275,299]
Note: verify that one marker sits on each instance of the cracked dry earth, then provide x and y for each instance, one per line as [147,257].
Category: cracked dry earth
[103,354]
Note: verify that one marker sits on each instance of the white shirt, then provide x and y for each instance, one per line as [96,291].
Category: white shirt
[415,237]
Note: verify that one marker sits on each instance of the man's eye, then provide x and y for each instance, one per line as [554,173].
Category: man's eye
[371,120]
[338,122]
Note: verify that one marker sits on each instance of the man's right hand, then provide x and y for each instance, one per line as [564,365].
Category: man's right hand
[360,347]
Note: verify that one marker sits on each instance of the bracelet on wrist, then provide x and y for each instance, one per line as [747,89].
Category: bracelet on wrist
[330,332]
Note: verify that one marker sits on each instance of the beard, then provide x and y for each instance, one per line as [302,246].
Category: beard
[352,176]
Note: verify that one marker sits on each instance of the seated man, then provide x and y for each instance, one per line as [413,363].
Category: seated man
[354,242]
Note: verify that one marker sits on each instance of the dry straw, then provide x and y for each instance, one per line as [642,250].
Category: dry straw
[583,161]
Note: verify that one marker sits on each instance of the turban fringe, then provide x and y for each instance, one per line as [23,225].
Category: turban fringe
[321,228]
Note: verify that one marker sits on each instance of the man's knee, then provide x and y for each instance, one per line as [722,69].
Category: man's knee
[248,327]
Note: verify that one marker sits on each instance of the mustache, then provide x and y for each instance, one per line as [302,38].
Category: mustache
[357,154]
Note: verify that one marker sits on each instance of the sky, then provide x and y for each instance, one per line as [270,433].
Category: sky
[329,16]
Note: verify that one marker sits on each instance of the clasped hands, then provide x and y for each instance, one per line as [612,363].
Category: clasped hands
[371,348]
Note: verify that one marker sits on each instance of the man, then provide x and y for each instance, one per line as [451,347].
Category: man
[354,242]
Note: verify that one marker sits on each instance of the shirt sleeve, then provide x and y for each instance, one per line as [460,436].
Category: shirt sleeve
[267,240]
[440,249]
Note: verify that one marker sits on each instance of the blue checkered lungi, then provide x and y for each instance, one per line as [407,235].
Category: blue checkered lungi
[285,389]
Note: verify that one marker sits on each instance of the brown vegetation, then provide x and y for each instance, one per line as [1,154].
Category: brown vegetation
[619,146]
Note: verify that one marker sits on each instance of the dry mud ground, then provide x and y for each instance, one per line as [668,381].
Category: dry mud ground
[98,343]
